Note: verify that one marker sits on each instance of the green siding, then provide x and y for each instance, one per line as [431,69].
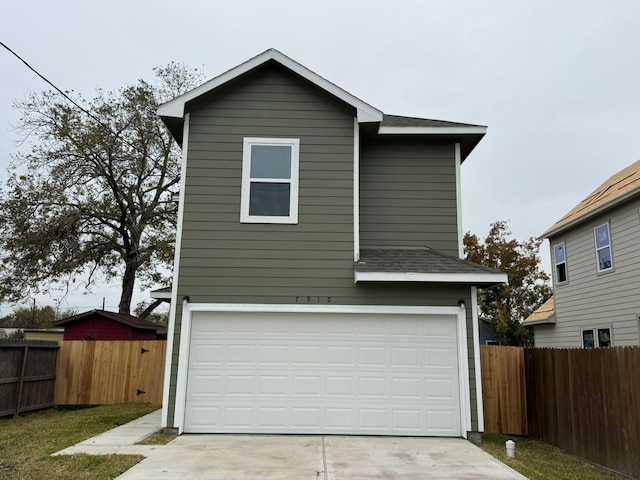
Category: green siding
[408,194]
[225,261]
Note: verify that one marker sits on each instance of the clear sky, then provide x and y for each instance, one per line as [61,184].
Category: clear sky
[557,83]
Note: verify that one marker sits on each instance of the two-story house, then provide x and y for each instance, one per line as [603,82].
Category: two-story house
[595,252]
[318,286]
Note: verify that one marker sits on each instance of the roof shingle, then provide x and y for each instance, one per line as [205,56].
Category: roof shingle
[415,261]
[400,121]
[625,182]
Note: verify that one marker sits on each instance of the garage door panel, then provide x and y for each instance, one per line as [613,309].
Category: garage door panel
[307,355]
[369,376]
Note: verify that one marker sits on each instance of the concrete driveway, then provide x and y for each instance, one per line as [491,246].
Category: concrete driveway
[244,457]
[304,457]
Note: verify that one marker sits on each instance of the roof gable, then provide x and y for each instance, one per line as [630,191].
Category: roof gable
[176,108]
[617,189]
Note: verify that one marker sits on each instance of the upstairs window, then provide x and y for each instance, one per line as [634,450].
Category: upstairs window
[603,248]
[598,337]
[560,259]
[270,180]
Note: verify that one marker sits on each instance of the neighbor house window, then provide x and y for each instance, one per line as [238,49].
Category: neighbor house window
[270,180]
[596,337]
[603,247]
[560,259]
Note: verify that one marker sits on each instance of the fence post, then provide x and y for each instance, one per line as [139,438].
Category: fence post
[21,380]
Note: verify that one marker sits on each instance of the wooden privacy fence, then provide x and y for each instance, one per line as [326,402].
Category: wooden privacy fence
[503,390]
[27,375]
[587,402]
[104,372]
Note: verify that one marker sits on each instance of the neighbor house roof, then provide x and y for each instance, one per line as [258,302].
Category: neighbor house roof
[545,313]
[617,189]
[422,265]
[163,293]
[130,320]
[173,112]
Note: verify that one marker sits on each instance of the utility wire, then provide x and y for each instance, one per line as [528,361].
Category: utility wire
[64,94]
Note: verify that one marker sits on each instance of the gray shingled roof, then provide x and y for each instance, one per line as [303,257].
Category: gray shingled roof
[399,121]
[416,261]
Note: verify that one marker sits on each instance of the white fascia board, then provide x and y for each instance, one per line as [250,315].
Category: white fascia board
[175,107]
[432,130]
[161,295]
[171,329]
[431,277]
[458,159]
[356,190]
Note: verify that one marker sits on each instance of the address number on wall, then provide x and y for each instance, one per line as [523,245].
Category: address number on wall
[311,299]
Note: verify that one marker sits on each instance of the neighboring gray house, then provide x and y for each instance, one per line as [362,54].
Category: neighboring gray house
[487,335]
[317,283]
[595,255]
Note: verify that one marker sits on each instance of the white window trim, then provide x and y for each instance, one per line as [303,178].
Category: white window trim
[596,339]
[555,263]
[595,242]
[248,142]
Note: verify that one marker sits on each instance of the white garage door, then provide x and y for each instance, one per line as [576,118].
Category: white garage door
[314,373]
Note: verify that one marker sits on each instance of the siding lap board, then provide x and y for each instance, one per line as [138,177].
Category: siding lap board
[407,194]
[225,261]
[590,299]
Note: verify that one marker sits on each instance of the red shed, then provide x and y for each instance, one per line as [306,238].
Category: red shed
[102,325]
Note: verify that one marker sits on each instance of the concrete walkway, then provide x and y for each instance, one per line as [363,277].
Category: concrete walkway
[313,457]
[121,439]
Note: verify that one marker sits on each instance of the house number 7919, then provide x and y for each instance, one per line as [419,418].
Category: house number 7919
[311,299]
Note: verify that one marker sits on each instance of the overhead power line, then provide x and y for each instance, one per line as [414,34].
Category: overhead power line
[66,96]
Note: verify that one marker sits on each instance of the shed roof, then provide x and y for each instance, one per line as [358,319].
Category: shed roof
[130,320]
[616,189]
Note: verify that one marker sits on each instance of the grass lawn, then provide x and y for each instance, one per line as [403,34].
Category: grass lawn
[539,461]
[27,441]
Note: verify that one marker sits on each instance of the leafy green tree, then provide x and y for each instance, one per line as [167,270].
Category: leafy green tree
[145,310]
[506,306]
[93,195]
[38,317]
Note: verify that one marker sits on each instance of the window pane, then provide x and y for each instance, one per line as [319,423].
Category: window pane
[602,236]
[604,337]
[588,340]
[559,253]
[269,199]
[561,272]
[271,161]
[604,258]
